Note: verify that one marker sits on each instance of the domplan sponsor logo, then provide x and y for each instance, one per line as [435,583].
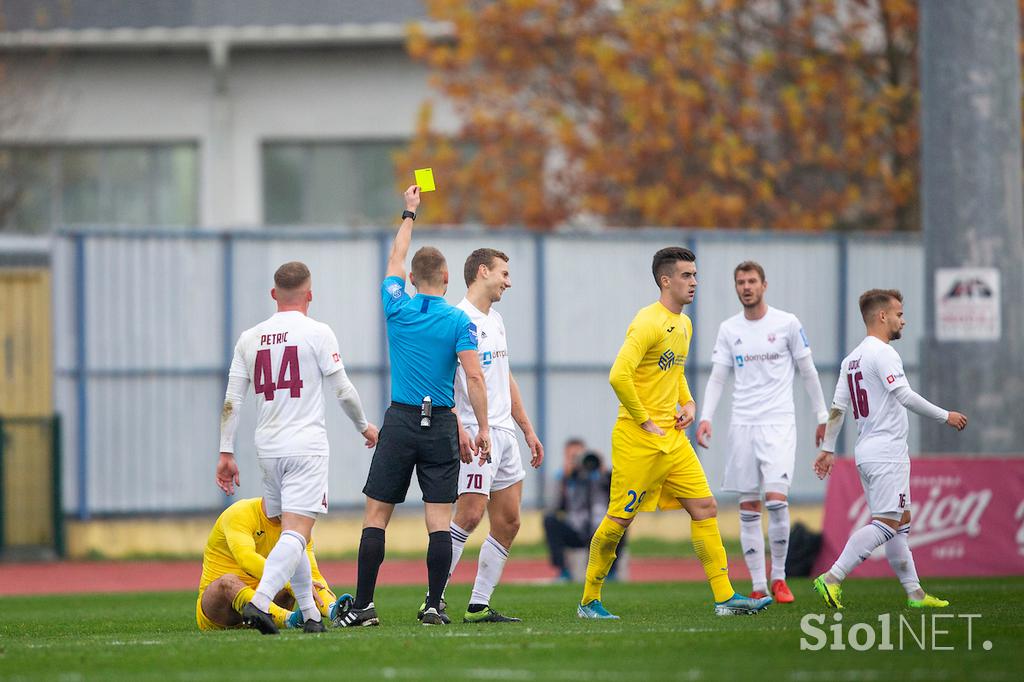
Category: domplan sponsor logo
[946,515]
[757,357]
[927,632]
[488,356]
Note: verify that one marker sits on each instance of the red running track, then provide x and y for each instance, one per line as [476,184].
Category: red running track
[71,577]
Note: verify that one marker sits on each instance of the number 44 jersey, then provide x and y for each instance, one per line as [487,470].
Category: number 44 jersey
[867,379]
[286,358]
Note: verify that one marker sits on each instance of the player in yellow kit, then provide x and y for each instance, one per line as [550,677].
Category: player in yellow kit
[233,564]
[653,464]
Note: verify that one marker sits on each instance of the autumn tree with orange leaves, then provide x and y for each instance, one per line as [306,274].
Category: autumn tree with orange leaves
[782,114]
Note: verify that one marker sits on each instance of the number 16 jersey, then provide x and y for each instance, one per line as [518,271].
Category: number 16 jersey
[867,378]
[286,357]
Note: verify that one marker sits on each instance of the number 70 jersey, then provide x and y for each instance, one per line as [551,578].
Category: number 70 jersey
[867,378]
[285,358]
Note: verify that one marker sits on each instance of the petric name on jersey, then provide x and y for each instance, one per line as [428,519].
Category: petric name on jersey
[271,339]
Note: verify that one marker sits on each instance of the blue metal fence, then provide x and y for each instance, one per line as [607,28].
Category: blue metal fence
[577,280]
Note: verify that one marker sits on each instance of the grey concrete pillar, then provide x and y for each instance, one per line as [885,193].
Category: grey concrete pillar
[973,353]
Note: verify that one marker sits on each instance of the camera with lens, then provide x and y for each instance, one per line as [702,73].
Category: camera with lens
[590,461]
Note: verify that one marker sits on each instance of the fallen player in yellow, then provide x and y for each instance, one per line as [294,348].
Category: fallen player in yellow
[233,564]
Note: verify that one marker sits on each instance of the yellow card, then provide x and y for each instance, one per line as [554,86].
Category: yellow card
[425,179]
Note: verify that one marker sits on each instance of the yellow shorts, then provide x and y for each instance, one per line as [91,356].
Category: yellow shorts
[205,623]
[651,472]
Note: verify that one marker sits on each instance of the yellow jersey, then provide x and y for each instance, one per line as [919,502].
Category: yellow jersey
[648,375]
[239,544]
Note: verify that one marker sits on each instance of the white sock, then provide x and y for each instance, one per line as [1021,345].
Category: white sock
[897,551]
[778,536]
[859,547]
[752,542]
[280,566]
[459,537]
[302,587]
[492,562]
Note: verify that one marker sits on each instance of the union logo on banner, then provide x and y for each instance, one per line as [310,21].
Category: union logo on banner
[967,517]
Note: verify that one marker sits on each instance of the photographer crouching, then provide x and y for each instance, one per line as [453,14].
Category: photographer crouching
[584,487]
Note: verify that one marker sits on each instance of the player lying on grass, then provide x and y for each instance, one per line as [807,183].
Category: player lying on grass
[873,385]
[233,561]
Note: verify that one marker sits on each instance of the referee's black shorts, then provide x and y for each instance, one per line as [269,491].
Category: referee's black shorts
[404,444]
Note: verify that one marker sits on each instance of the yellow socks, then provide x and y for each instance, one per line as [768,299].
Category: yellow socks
[707,543]
[245,595]
[602,554]
[328,598]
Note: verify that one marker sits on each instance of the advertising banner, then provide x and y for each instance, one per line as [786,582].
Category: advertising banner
[967,517]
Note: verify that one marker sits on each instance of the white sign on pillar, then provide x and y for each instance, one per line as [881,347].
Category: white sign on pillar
[967,304]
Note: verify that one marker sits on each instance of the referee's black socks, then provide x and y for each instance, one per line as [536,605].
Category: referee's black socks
[439,563]
[371,555]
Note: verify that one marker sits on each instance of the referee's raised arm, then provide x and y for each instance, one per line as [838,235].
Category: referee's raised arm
[400,247]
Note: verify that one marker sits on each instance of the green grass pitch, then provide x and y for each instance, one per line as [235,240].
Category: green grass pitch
[667,632]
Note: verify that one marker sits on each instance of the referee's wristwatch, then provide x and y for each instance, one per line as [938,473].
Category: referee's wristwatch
[408,214]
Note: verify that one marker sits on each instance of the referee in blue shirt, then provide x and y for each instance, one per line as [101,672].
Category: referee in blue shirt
[427,339]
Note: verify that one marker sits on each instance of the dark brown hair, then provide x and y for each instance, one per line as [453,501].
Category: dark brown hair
[428,265]
[666,259]
[873,300]
[749,266]
[478,258]
[291,276]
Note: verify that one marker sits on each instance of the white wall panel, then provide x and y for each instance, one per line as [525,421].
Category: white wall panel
[346,286]
[154,303]
[156,347]
[594,288]
[898,265]
[801,277]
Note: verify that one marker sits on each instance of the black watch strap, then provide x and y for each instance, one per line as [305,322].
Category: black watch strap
[408,214]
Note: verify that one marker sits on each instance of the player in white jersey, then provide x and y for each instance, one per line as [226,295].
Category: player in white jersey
[494,485]
[761,345]
[873,384]
[288,358]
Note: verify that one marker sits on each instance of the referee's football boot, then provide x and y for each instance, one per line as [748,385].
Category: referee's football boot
[738,605]
[443,611]
[594,609]
[314,626]
[252,617]
[354,617]
[432,617]
[485,614]
[832,594]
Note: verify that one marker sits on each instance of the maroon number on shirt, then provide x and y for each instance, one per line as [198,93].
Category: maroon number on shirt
[288,376]
[475,481]
[858,396]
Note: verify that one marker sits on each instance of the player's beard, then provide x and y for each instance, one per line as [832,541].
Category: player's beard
[895,335]
[754,302]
